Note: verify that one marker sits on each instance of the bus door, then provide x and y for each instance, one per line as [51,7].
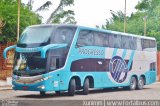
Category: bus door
[53,65]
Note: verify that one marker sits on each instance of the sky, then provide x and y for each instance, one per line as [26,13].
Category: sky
[89,12]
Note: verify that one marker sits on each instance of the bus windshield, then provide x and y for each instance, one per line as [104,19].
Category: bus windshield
[36,35]
[39,35]
[29,64]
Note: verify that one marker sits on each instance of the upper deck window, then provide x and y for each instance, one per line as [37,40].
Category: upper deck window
[64,35]
[85,38]
[47,34]
[36,35]
[101,39]
[147,43]
[129,42]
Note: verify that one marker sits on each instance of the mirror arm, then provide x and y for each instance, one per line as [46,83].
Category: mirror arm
[7,49]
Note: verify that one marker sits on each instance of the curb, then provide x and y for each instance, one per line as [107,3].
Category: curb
[6,87]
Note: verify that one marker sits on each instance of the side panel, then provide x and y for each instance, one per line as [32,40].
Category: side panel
[110,67]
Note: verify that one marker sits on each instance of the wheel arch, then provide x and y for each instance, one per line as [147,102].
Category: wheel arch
[134,75]
[91,81]
[77,80]
[144,77]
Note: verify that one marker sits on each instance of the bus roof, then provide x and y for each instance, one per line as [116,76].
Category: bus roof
[95,29]
[116,32]
[56,25]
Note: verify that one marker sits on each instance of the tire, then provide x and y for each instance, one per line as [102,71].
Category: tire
[42,93]
[86,87]
[140,84]
[72,87]
[133,83]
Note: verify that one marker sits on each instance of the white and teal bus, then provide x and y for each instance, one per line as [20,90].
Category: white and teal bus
[70,58]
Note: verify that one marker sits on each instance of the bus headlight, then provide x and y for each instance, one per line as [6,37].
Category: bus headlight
[43,79]
[46,78]
[41,87]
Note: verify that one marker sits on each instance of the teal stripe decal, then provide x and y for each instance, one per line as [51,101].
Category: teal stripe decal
[124,53]
[114,52]
[131,59]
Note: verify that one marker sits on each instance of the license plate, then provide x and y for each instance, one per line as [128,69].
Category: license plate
[25,87]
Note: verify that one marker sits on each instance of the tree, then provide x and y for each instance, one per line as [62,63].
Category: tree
[135,22]
[8,13]
[59,15]
[66,17]
[115,22]
[45,6]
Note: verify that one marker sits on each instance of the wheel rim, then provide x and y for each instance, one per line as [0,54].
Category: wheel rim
[141,82]
[133,83]
[72,88]
[86,87]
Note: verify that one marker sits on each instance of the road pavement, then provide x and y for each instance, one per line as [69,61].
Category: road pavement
[150,92]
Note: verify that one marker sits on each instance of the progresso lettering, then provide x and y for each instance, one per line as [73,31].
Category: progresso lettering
[91,51]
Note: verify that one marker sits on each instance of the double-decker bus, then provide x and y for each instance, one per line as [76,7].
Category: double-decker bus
[70,58]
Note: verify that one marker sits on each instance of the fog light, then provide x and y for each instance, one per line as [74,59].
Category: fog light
[41,87]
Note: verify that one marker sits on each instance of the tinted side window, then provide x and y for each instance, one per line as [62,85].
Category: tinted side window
[129,42]
[116,41]
[85,38]
[106,40]
[64,35]
[146,43]
[133,43]
[152,43]
[125,42]
[139,44]
[100,39]
[111,40]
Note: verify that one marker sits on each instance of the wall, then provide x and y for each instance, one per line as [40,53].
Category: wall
[6,65]
[158,65]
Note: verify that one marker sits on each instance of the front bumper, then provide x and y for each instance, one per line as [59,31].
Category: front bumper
[43,84]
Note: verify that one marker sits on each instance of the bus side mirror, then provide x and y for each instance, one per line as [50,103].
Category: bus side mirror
[51,46]
[7,49]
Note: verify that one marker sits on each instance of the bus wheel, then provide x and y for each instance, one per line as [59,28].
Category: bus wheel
[86,87]
[42,93]
[140,84]
[133,84]
[72,87]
